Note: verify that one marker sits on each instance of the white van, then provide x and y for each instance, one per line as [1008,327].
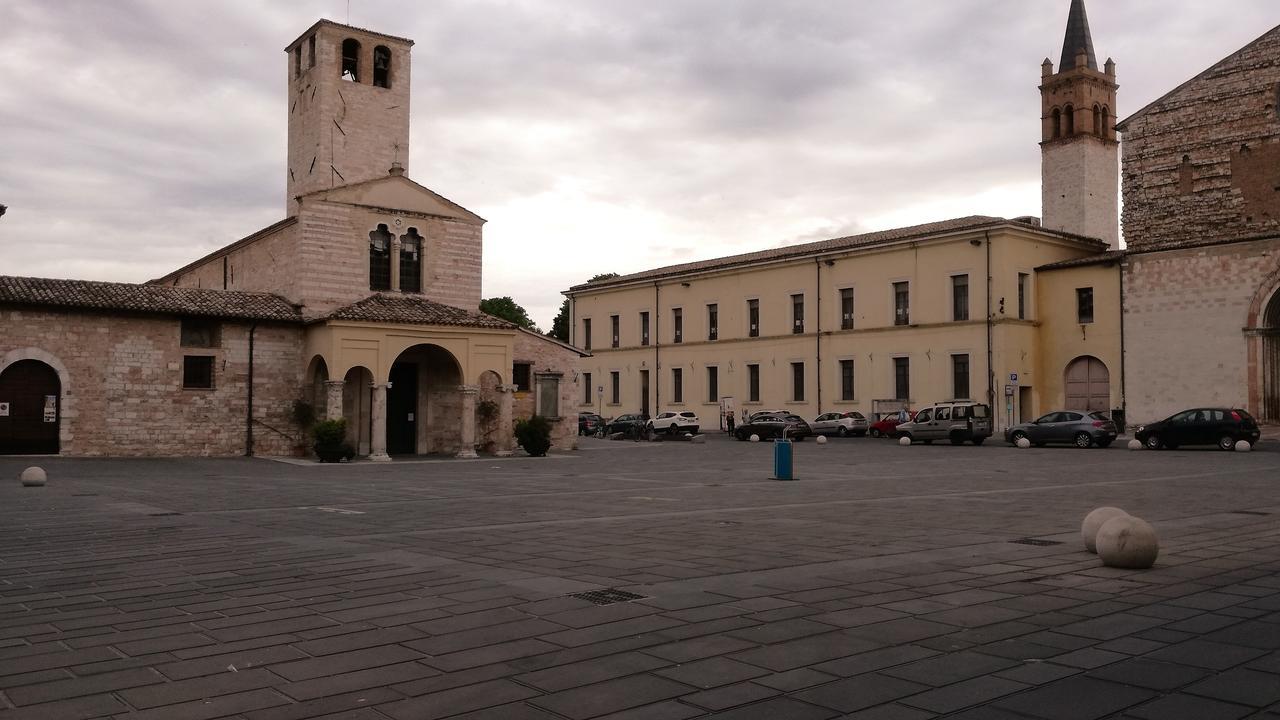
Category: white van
[959,421]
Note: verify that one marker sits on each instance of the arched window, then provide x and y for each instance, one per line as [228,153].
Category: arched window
[351,60]
[1069,114]
[380,259]
[1186,176]
[1057,123]
[1106,121]
[382,67]
[1097,120]
[411,261]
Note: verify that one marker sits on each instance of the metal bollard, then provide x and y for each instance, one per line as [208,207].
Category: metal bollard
[782,455]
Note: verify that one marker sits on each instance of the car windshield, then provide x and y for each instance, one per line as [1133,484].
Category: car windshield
[1099,416]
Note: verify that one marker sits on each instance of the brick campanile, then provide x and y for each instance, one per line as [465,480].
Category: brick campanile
[348,108]
[1080,157]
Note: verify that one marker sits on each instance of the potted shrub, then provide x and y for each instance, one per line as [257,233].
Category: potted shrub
[331,441]
[534,435]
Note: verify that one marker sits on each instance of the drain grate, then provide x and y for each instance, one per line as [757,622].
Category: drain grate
[1035,541]
[1248,512]
[163,514]
[607,597]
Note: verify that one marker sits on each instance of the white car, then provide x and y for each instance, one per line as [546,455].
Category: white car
[674,422]
[840,423]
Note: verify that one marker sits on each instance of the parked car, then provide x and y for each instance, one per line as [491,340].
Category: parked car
[840,423]
[1083,429]
[1223,427]
[760,413]
[887,425]
[674,422]
[959,421]
[774,426]
[589,423]
[625,423]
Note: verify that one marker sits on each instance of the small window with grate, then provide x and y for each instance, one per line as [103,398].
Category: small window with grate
[197,372]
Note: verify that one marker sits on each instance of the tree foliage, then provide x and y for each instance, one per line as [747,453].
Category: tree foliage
[560,325]
[509,310]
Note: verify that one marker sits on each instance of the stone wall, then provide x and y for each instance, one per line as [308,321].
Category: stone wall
[549,356]
[122,383]
[1203,164]
[267,263]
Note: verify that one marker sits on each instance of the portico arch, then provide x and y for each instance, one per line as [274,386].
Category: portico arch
[1270,341]
[1262,344]
[425,401]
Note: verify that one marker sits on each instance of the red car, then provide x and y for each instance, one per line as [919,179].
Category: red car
[887,425]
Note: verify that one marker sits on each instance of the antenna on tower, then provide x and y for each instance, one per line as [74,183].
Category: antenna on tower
[348,12]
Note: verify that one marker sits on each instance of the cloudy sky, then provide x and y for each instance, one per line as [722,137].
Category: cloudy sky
[594,135]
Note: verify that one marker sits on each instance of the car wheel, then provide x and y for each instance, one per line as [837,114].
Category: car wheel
[1226,442]
[978,441]
[907,436]
[1019,435]
[842,431]
[875,432]
[1083,439]
[1153,442]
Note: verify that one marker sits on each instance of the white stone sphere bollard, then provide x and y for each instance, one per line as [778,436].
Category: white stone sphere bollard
[1095,520]
[1243,446]
[33,477]
[904,441]
[754,438]
[821,440]
[1135,445]
[1128,542]
[1023,443]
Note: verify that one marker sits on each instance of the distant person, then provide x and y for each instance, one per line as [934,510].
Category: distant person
[903,416]
[729,421]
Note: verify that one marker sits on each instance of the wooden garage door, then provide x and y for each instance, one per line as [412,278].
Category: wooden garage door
[29,409]
[1088,385]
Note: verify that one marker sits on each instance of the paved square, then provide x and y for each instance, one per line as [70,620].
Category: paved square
[882,584]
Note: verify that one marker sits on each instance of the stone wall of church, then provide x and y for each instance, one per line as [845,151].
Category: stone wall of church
[122,389]
[265,264]
[1203,165]
[1184,317]
[546,356]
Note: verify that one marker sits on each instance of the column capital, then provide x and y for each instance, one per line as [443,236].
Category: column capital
[335,383]
[469,389]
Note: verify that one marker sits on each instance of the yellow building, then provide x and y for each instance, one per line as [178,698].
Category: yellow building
[978,307]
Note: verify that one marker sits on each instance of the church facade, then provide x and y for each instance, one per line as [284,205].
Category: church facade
[363,302]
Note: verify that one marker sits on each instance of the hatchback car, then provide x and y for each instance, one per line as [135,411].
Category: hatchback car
[625,423]
[842,424]
[1080,428]
[774,426]
[887,425]
[1223,427]
[589,423]
[958,421]
[675,422]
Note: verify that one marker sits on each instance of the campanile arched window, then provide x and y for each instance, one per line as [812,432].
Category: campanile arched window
[1097,120]
[380,259]
[382,67]
[1069,115]
[411,261]
[351,60]
[1057,123]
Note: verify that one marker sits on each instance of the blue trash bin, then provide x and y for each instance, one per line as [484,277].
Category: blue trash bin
[782,460]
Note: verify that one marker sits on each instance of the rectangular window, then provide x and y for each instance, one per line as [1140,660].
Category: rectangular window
[902,378]
[959,297]
[677,325]
[753,383]
[677,385]
[644,328]
[1084,305]
[197,372]
[613,327]
[521,376]
[753,318]
[586,388]
[411,261]
[797,381]
[846,309]
[713,321]
[797,314]
[615,387]
[713,384]
[586,333]
[960,377]
[846,379]
[901,303]
[1022,296]
[199,333]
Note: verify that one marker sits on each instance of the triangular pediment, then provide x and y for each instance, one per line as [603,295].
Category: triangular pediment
[396,192]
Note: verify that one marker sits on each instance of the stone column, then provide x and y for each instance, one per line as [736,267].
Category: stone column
[333,399]
[506,433]
[378,409]
[395,261]
[469,393]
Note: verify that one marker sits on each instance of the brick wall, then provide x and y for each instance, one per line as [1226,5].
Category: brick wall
[123,395]
[266,264]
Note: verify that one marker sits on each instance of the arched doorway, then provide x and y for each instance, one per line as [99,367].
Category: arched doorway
[30,409]
[1088,384]
[1271,360]
[424,404]
[357,408]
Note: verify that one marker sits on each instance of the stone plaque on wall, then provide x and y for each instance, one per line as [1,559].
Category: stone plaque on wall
[548,395]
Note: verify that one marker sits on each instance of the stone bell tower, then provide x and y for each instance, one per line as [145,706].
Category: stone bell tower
[348,108]
[1080,156]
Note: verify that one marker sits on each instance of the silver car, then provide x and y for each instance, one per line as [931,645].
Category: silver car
[1078,427]
[959,421]
[842,424]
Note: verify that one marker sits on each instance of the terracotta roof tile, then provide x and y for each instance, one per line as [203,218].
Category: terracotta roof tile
[162,299]
[414,310]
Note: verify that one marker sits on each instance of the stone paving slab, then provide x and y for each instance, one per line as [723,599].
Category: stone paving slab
[883,584]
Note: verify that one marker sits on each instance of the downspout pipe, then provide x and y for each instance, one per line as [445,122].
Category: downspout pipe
[657,362]
[991,388]
[1124,398]
[817,335]
[248,419]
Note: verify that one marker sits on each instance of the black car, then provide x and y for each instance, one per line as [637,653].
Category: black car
[1223,427]
[626,423]
[774,426]
[589,423]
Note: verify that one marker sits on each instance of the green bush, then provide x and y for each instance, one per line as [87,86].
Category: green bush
[331,440]
[534,435]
